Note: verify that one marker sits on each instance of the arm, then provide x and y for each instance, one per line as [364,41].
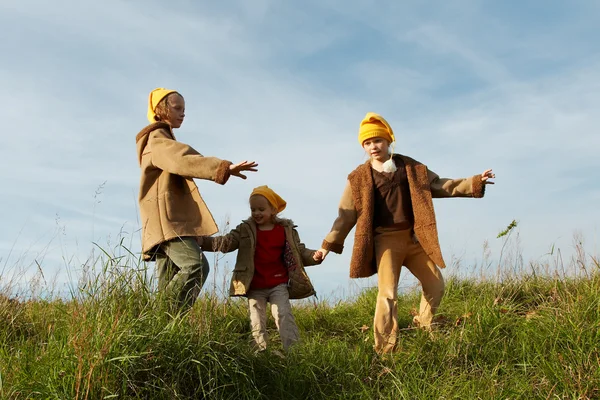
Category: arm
[343,224]
[461,187]
[180,159]
[306,254]
[224,244]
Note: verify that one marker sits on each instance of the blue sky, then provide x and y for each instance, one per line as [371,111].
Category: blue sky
[467,85]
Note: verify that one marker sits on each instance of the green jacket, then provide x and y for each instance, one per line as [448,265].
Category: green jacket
[243,239]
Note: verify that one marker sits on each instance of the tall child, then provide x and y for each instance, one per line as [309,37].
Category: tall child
[269,265]
[173,214]
[389,199]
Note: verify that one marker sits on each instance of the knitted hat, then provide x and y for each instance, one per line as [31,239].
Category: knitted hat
[374,125]
[273,198]
[155,97]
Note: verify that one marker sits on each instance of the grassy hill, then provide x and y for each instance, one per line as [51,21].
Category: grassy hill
[529,336]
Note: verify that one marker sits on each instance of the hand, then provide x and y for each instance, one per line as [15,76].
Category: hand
[487,174]
[200,240]
[236,169]
[320,255]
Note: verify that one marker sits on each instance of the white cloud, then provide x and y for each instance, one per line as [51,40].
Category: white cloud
[267,83]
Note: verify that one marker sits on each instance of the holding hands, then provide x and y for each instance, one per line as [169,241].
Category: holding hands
[236,169]
[320,255]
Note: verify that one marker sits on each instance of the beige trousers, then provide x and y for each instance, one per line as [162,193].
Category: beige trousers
[393,249]
[281,309]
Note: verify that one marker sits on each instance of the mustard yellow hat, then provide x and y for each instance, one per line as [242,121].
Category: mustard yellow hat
[155,97]
[273,198]
[374,125]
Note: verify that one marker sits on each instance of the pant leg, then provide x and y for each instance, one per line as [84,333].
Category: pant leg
[281,309]
[192,271]
[432,282]
[257,306]
[166,270]
[390,248]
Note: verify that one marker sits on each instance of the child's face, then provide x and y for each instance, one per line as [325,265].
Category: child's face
[176,111]
[377,148]
[262,212]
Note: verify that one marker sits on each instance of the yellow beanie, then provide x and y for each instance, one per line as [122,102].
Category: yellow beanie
[273,198]
[374,125]
[155,97]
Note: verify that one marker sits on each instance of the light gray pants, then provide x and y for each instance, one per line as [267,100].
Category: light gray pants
[281,309]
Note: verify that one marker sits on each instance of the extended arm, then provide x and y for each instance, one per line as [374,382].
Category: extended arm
[473,186]
[224,244]
[308,255]
[181,159]
[343,224]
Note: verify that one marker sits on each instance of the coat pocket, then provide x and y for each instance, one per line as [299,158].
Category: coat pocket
[181,207]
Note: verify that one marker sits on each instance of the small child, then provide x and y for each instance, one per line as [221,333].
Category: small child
[173,214]
[269,265]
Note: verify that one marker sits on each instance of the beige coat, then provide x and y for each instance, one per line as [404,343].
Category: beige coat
[356,208]
[243,239]
[169,201]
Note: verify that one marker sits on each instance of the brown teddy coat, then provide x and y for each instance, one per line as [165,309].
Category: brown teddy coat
[356,208]
[243,239]
[169,201]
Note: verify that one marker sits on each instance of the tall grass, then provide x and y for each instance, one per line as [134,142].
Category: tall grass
[532,334]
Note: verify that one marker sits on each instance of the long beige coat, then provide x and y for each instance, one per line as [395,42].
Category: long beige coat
[357,208]
[169,201]
[243,239]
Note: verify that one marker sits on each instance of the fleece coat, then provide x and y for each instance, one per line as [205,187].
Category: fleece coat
[243,239]
[357,208]
[169,201]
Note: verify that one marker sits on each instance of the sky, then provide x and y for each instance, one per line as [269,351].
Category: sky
[466,85]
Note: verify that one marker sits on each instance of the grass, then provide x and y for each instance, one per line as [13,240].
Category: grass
[529,335]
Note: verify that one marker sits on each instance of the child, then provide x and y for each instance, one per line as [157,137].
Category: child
[173,214]
[269,266]
[389,199]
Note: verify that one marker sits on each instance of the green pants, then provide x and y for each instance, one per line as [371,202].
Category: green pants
[182,270]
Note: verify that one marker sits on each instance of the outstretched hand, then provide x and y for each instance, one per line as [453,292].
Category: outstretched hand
[320,255]
[236,169]
[487,174]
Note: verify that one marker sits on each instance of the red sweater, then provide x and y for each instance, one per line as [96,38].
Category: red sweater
[269,269]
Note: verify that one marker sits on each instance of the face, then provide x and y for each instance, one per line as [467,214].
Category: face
[176,110]
[377,148]
[262,212]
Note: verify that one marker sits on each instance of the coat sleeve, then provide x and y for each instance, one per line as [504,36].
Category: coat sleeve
[461,187]
[224,244]
[180,159]
[343,224]
[306,254]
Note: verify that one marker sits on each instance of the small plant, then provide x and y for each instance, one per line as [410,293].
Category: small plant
[508,229]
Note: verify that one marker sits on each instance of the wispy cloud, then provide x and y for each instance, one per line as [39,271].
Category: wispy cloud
[467,85]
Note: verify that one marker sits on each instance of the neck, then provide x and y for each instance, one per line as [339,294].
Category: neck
[378,164]
[267,226]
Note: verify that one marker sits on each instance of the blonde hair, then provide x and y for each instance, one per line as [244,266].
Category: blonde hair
[162,108]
